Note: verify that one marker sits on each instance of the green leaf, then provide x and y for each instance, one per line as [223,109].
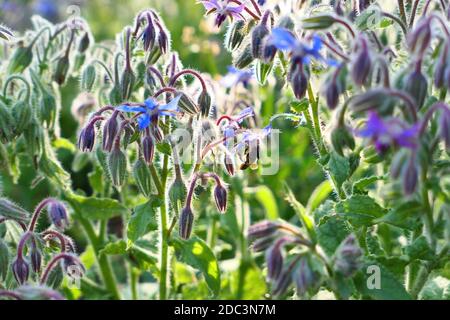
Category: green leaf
[303,215]
[404,216]
[420,250]
[62,143]
[196,253]
[363,183]
[96,179]
[320,194]
[299,106]
[437,288]
[112,248]
[265,196]
[96,208]
[390,287]
[359,210]
[331,231]
[143,219]
[339,168]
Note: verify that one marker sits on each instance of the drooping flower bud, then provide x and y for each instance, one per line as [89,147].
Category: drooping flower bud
[155,53]
[243,58]
[362,65]
[439,73]
[148,148]
[229,164]
[204,102]
[186,223]
[263,229]
[299,81]
[370,99]
[35,258]
[420,38]
[23,114]
[274,259]
[88,78]
[4,259]
[416,85]
[58,215]
[304,277]
[235,35]
[445,129]
[110,130]
[142,177]
[410,177]
[177,191]
[258,35]
[20,59]
[186,104]
[86,138]
[220,196]
[163,41]
[6,124]
[348,257]
[398,162]
[341,138]
[117,164]
[61,70]
[149,35]
[318,22]
[84,43]
[127,82]
[21,270]
[47,109]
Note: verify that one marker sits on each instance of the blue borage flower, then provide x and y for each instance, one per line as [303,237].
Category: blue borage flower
[236,76]
[385,133]
[223,9]
[229,131]
[151,109]
[284,40]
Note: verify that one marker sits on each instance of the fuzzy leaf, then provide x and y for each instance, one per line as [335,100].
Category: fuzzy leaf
[96,208]
[143,219]
[359,210]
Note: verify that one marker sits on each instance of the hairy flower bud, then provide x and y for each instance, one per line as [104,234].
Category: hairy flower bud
[110,130]
[410,177]
[347,257]
[177,191]
[186,223]
[142,177]
[117,164]
[148,148]
[204,102]
[419,39]
[274,259]
[370,99]
[220,196]
[304,277]
[58,215]
[47,109]
[35,258]
[20,60]
[332,94]
[258,35]
[263,229]
[23,114]
[10,210]
[445,129]
[127,82]
[362,63]
[186,104]
[341,138]
[149,36]
[243,58]
[4,259]
[88,78]
[299,82]
[6,124]
[86,138]
[398,162]
[235,35]
[229,164]
[84,43]
[416,85]
[61,70]
[318,22]
[21,270]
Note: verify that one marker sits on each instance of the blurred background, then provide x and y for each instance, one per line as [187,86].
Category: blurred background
[200,46]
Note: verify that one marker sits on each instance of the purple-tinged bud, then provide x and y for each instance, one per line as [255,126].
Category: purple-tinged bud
[439,74]
[110,130]
[35,258]
[117,165]
[263,229]
[398,162]
[419,39]
[61,70]
[285,279]
[304,277]
[229,165]
[86,139]
[258,35]
[243,58]
[416,85]
[149,36]
[204,102]
[348,257]
[299,81]
[148,149]
[263,244]
[186,223]
[371,99]
[187,105]
[84,43]
[445,129]
[362,65]
[4,259]
[21,270]
[410,177]
[274,258]
[220,196]
[268,52]
[332,94]
[58,215]
[163,41]
[220,18]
